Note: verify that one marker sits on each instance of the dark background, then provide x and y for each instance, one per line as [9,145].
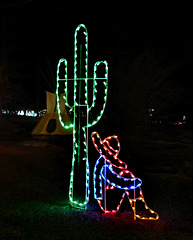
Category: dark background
[34,35]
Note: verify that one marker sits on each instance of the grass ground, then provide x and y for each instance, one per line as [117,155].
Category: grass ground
[34,180]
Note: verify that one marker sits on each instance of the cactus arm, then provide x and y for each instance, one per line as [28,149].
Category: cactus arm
[105,82]
[58,79]
[75,65]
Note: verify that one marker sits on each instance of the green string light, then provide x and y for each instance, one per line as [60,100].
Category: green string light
[82,111]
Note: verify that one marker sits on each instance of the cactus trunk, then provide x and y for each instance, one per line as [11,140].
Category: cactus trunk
[79,177]
[79,180]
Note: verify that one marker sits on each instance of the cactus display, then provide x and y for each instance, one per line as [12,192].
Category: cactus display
[87,105]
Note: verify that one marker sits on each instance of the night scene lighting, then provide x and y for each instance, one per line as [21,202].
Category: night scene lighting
[96,120]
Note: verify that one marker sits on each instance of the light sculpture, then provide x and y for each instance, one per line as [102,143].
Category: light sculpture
[111,174]
[82,103]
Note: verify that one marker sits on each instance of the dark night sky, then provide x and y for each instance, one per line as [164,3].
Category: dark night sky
[38,33]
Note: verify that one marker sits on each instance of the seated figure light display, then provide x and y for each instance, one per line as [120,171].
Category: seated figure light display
[112,180]
[110,173]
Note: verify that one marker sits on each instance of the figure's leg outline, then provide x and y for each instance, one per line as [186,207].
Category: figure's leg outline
[133,206]
[111,211]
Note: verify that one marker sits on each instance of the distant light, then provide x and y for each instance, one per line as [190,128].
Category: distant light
[20,113]
[30,113]
[151,110]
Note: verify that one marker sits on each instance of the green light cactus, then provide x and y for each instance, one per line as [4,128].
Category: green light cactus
[83,104]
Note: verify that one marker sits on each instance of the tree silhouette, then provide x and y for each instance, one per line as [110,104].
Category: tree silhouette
[144,83]
[4,88]
[10,92]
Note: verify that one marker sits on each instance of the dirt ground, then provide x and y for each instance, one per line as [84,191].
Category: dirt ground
[34,180]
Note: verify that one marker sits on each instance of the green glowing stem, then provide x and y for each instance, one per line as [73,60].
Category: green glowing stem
[79,115]
[79,177]
[79,182]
